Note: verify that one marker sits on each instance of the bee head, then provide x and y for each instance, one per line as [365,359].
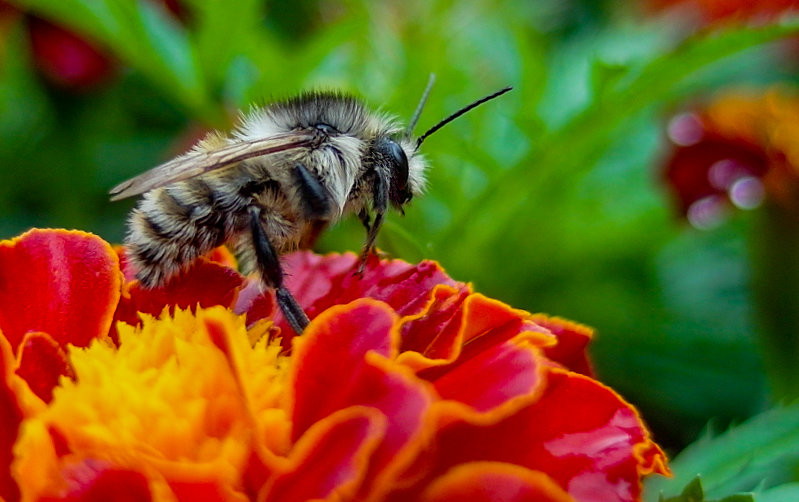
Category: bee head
[403,154]
[405,168]
[399,155]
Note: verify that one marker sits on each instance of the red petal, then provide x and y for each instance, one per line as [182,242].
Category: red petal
[580,433]
[572,341]
[42,362]
[493,378]
[10,417]
[360,336]
[60,443]
[124,264]
[65,283]
[94,481]
[339,338]
[205,284]
[494,482]
[489,322]
[486,323]
[254,302]
[223,256]
[202,491]
[434,332]
[331,458]
[319,282]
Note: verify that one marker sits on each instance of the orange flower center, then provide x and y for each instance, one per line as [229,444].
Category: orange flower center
[174,398]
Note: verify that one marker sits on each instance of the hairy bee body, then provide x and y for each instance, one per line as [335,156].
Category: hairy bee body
[175,224]
[286,170]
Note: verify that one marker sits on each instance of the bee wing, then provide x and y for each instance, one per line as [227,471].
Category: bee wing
[196,163]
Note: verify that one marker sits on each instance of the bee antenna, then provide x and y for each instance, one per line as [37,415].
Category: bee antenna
[418,112]
[459,113]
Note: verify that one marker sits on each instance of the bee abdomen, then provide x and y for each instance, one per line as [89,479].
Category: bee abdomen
[170,229]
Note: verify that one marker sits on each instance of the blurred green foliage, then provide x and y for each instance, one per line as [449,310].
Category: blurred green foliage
[548,198]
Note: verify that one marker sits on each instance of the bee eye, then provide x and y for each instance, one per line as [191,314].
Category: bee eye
[394,157]
[400,163]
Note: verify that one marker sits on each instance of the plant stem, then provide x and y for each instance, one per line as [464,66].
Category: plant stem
[775,279]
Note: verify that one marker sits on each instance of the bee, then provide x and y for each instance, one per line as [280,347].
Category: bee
[285,169]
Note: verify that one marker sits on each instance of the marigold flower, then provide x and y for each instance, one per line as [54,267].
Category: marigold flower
[405,386]
[734,152]
[712,11]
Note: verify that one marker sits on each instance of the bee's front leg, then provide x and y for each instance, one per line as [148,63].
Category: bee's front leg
[272,273]
[379,204]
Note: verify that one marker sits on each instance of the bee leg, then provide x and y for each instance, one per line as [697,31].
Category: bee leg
[379,204]
[315,200]
[272,273]
[366,219]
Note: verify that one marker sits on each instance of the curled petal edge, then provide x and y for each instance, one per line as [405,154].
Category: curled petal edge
[529,331]
[490,481]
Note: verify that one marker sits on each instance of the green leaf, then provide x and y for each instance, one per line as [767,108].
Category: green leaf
[763,448]
[693,492]
[788,492]
[230,33]
[739,497]
[574,147]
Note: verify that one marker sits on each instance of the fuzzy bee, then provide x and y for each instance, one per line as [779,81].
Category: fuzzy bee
[286,168]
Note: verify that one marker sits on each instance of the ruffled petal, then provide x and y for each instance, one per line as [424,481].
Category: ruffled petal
[338,339]
[582,434]
[484,323]
[435,332]
[42,361]
[205,284]
[75,479]
[223,256]
[493,482]
[220,255]
[494,378]
[254,302]
[94,481]
[319,282]
[64,283]
[10,417]
[405,386]
[362,337]
[572,342]
[329,462]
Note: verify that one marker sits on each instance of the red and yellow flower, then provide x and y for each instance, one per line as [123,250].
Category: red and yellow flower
[405,386]
[734,152]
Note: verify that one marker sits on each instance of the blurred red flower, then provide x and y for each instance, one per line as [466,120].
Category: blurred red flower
[405,386]
[65,58]
[713,11]
[734,152]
